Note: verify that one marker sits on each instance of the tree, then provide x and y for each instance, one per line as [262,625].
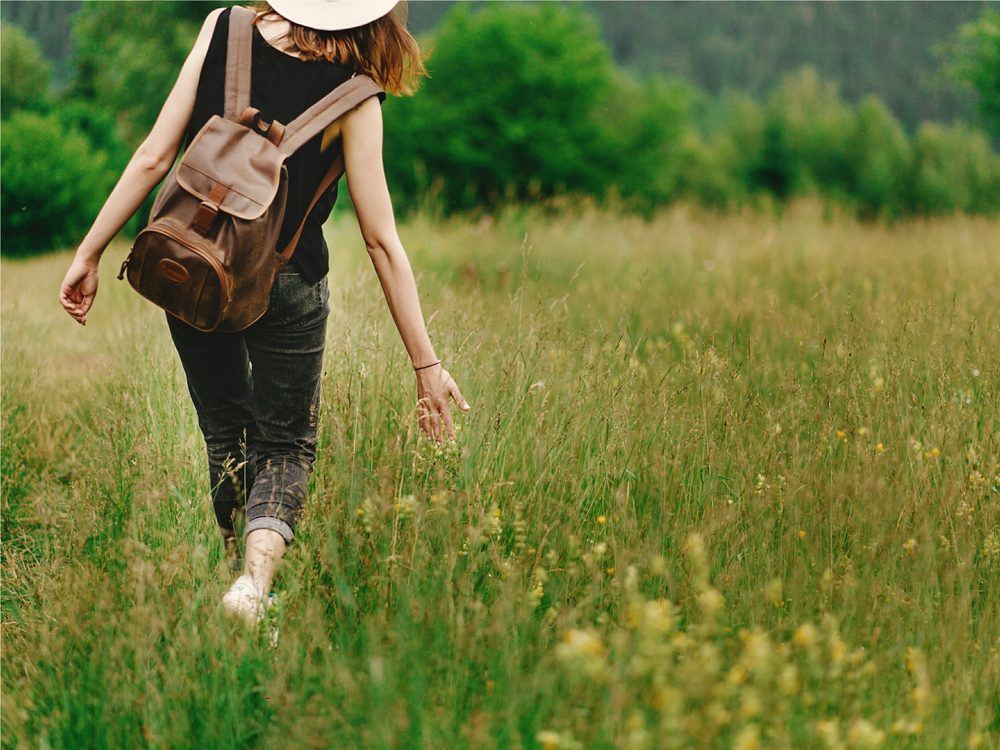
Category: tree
[646,125]
[512,109]
[953,169]
[128,57]
[809,112]
[977,61]
[52,183]
[24,72]
[879,159]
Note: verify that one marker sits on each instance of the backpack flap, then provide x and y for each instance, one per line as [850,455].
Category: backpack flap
[232,169]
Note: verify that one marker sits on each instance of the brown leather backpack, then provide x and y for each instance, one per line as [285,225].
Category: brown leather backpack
[209,253]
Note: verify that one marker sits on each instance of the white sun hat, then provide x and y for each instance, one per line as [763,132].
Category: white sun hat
[332,15]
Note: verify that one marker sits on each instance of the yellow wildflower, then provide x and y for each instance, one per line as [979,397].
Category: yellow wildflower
[584,650]
[748,738]
[737,675]
[774,593]
[750,703]
[788,679]
[711,601]
[906,726]
[657,615]
[829,730]
[862,733]
[806,635]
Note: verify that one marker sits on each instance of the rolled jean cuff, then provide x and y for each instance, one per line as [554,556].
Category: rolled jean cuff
[272,523]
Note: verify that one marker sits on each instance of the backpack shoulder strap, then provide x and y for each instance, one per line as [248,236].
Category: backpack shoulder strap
[331,107]
[299,131]
[332,175]
[239,48]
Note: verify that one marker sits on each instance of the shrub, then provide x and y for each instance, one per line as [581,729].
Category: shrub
[102,132]
[647,124]
[806,135]
[52,184]
[953,169]
[736,150]
[706,173]
[879,157]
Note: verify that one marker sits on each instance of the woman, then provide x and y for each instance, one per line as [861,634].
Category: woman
[257,392]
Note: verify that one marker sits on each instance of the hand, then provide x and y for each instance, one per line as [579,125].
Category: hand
[434,386]
[79,287]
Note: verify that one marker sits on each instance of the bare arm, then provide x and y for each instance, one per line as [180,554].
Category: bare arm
[148,166]
[361,130]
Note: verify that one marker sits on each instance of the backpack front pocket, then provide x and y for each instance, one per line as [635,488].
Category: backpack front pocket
[177,270]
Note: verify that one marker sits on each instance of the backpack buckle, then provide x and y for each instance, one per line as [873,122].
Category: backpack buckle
[208,209]
[205,217]
[262,128]
[270,129]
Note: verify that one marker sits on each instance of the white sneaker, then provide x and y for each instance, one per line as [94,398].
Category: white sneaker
[244,600]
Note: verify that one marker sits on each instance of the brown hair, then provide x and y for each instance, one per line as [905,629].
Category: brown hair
[382,49]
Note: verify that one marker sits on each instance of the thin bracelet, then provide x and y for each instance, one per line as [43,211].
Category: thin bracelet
[415,369]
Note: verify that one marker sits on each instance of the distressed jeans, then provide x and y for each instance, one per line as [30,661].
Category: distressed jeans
[256,393]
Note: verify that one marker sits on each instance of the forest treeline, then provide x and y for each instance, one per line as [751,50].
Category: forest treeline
[891,49]
[524,103]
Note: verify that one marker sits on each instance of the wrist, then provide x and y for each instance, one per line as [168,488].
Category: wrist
[88,257]
[430,365]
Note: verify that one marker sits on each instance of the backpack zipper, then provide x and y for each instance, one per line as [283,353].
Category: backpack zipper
[164,228]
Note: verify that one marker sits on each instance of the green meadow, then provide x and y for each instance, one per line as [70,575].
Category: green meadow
[728,481]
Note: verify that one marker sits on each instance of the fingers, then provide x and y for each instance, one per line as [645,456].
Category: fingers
[457,395]
[71,306]
[78,289]
[435,427]
[85,306]
[446,418]
[76,304]
[434,414]
[428,420]
[435,420]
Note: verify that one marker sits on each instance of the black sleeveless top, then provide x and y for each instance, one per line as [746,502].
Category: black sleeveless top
[282,87]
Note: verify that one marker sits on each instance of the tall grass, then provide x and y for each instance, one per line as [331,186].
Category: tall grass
[727,482]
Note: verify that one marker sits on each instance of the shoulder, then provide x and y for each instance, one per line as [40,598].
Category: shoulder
[217,20]
[213,17]
[212,35]
[211,23]
[215,23]
[370,107]
[364,122]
